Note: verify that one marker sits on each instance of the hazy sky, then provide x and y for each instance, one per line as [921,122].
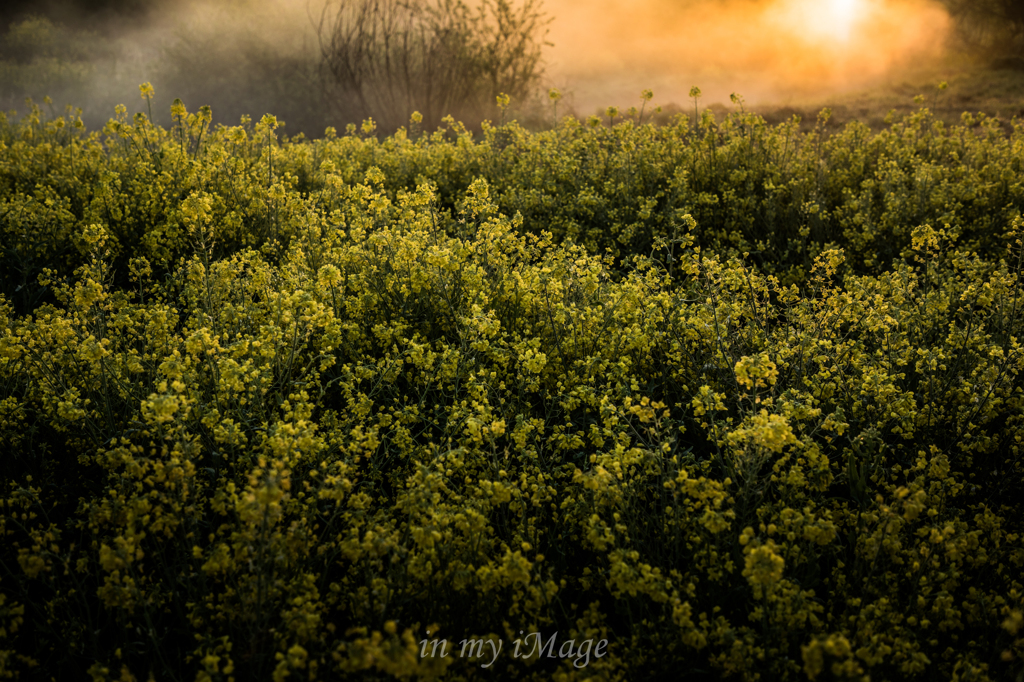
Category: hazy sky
[604,51]
[763,49]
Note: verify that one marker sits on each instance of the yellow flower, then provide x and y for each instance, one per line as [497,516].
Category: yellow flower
[329,276]
[763,566]
[757,371]
[1014,622]
[770,431]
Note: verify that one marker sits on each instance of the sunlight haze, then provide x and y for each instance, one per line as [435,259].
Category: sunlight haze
[604,51]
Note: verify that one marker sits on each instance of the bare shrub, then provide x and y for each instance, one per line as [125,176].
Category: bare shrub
[387,58]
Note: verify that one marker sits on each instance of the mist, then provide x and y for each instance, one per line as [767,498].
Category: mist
[769,51]
[249,57]
[242,57]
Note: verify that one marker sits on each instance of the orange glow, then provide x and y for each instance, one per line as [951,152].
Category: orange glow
[830,25]
[834,19]
[605,51]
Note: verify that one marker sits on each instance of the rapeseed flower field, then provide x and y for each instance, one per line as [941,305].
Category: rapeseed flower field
[612,401]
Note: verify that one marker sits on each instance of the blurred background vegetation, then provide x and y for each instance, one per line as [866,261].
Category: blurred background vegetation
[994,28]
[239,57]
[336,62]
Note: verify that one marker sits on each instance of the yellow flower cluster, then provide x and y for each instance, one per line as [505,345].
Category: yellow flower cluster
[323,410]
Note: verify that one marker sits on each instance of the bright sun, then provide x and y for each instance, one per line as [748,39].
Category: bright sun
[836,18]
[832,21]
